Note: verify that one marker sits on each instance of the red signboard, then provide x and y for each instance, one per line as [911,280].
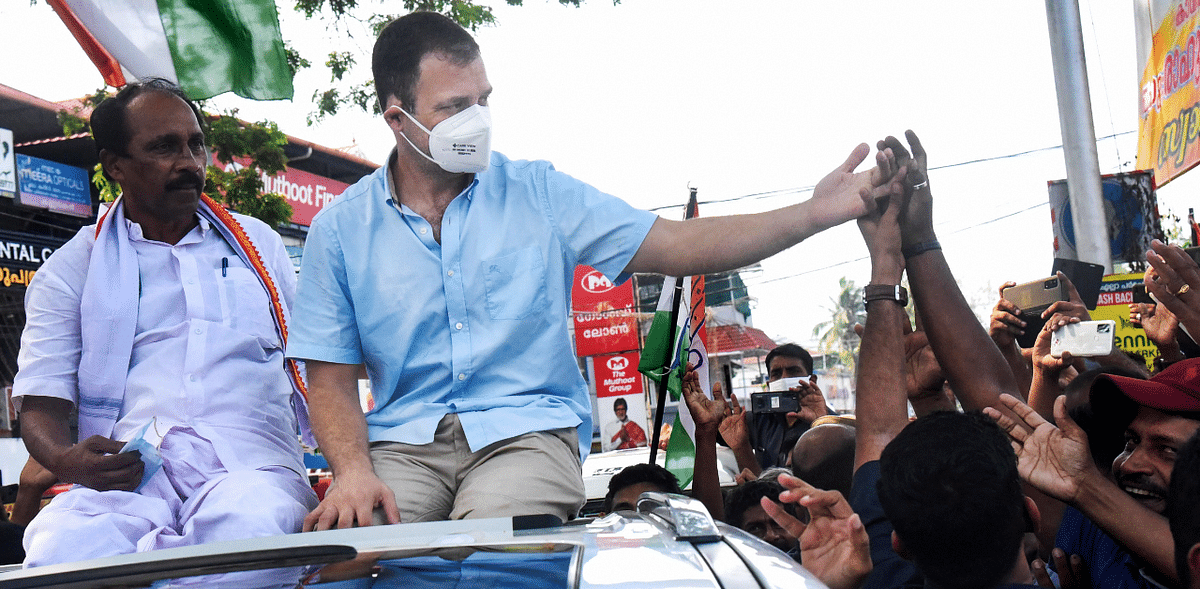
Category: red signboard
[617,375]
[603,312]
[307,193]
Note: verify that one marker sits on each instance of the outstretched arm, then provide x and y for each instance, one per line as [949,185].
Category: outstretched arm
[707,414]
[341,429]
[969,358]
[1056,461]
[881,407]
[716,244]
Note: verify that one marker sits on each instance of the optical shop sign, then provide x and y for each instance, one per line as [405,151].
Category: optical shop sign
[307,193]
[1168,49]
[50,185]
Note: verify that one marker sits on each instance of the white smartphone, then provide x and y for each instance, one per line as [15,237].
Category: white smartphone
[1084,339]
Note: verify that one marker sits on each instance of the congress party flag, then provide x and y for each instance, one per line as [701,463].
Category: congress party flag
[669,347]
[208,47]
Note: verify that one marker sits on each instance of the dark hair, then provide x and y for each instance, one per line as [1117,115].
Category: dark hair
[791,351]
[110,127]
[1183,505]
[641,473]
[620,401]
[747,495]
[949,484]
[396,60]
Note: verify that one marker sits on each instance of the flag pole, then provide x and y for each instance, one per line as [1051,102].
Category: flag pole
[676,298]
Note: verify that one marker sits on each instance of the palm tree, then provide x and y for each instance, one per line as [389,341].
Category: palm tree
[837,336]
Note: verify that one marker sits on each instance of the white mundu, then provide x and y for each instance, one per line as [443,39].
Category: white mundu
[206,371]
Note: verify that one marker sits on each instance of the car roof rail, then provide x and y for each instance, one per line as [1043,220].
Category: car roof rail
[688,517]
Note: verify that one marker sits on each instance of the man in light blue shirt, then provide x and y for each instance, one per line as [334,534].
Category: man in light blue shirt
[447,274]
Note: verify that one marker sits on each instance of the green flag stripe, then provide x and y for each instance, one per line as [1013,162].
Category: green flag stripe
[227,45]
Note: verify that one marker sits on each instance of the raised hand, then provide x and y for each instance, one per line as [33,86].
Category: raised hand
[1174,278]
[1005,325]
[1072,307]
[834,545]
[812,401]
[1055,460]
[916,217]
[707,413]
[844,194]
[734,429]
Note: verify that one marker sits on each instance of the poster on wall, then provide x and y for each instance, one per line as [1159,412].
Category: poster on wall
[621,401]
[1130,211]
[8,165]
[1168,50]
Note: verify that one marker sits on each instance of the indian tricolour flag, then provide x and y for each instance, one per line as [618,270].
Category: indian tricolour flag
[208,47]
[668,350]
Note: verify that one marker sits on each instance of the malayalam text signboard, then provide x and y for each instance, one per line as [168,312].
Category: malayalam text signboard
[603,312]
[1116,293]
[50,185]
[1168,33]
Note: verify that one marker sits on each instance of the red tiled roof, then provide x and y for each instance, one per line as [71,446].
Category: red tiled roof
[735,338]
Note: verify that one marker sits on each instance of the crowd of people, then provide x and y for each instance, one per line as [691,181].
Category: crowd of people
[175,337]
[1021,468]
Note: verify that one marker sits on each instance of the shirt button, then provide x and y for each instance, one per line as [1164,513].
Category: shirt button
[199,331]
[424,231]
[190,281]
[192,377]
[462,376]
[458,326]
[450,273]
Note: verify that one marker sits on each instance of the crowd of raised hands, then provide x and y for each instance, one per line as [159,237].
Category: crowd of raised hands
[1087,443]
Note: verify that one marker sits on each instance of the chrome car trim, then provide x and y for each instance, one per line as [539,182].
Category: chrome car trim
[686,516]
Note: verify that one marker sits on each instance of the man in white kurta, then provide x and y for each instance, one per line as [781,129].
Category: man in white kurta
[205,381]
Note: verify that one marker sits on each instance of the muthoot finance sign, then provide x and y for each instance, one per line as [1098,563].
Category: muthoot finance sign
[307,193]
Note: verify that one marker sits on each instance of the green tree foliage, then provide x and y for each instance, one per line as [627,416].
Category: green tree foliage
[836,336]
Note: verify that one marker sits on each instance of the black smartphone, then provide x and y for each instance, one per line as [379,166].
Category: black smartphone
[1085,276]
[775,402]
[1140,295]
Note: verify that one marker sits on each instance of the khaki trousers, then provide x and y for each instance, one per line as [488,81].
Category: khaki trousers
[531,474]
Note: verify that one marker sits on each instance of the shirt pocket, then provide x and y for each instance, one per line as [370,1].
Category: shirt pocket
[515,284]
[245,306]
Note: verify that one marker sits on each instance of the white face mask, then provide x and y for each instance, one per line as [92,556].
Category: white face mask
[461,143]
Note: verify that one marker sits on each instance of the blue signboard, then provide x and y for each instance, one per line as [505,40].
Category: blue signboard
[50,185]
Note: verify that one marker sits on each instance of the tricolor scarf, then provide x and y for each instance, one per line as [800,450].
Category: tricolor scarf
[109,308]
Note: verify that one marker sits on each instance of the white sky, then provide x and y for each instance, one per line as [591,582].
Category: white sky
[648,97]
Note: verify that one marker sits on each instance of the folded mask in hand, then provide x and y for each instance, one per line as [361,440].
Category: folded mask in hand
[151,459]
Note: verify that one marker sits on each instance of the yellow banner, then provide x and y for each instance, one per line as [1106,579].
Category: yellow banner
[1169,125]
[1116,293]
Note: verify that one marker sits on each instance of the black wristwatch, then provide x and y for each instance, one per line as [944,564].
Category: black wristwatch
[885,292]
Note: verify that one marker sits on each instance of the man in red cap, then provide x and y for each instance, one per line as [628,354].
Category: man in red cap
[1119,543]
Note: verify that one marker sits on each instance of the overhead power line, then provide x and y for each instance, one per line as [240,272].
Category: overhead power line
[803,189]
